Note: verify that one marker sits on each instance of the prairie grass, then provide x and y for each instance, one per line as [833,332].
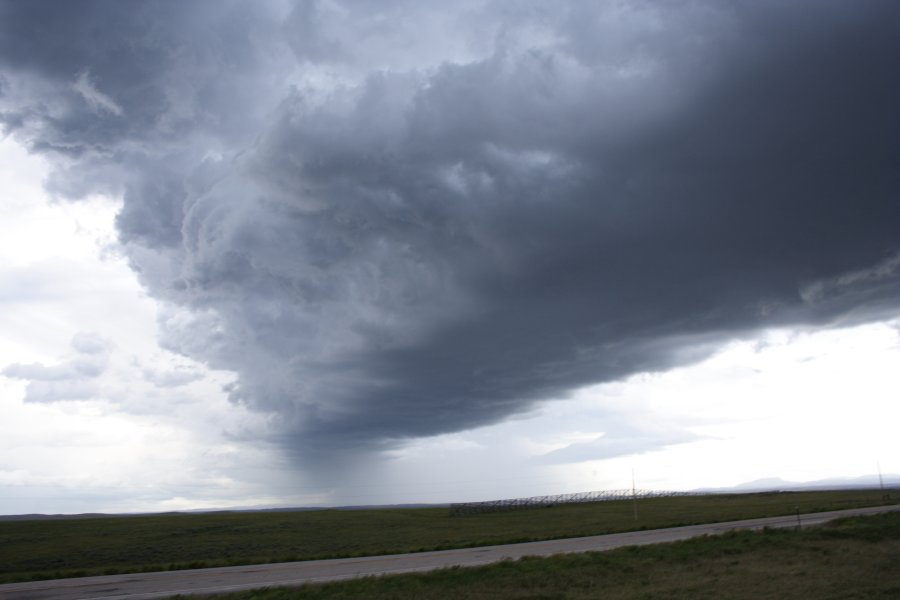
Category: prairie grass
[853,558]
[43,549]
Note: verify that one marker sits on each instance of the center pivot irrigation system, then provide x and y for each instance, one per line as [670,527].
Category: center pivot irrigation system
[463,509]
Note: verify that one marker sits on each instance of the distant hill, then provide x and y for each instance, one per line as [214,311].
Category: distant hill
[837,483]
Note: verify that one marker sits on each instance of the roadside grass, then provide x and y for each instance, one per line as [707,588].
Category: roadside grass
[848,559]
[45,549]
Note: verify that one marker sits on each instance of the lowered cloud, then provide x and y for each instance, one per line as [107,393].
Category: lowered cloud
[387,244]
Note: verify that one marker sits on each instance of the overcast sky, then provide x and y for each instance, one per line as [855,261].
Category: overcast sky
[342,252]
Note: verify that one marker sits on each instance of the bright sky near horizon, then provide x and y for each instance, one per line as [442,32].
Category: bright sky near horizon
[319,253]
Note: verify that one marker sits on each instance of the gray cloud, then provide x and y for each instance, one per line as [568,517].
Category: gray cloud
[384,247]
[89,343]
[624,439]
[171,378]
[73,379]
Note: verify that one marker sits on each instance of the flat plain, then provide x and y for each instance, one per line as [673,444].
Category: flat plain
[43,549]
[852,558]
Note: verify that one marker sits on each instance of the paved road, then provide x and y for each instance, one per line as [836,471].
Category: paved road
[144,586]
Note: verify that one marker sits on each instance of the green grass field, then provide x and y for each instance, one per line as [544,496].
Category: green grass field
[41,549]
[854,558]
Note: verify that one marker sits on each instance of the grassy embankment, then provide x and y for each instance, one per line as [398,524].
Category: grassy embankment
[853,558]
[41,549]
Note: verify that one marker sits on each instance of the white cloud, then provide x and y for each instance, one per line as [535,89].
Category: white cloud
[172,378]
[93,414]
[800,405]
[96,99]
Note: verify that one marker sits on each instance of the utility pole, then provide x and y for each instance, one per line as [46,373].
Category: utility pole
[634,494]
[880,480]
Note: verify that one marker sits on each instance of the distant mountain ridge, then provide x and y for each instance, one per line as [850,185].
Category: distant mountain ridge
[772,484]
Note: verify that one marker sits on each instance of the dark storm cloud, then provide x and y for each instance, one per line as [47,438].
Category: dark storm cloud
[388,244]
